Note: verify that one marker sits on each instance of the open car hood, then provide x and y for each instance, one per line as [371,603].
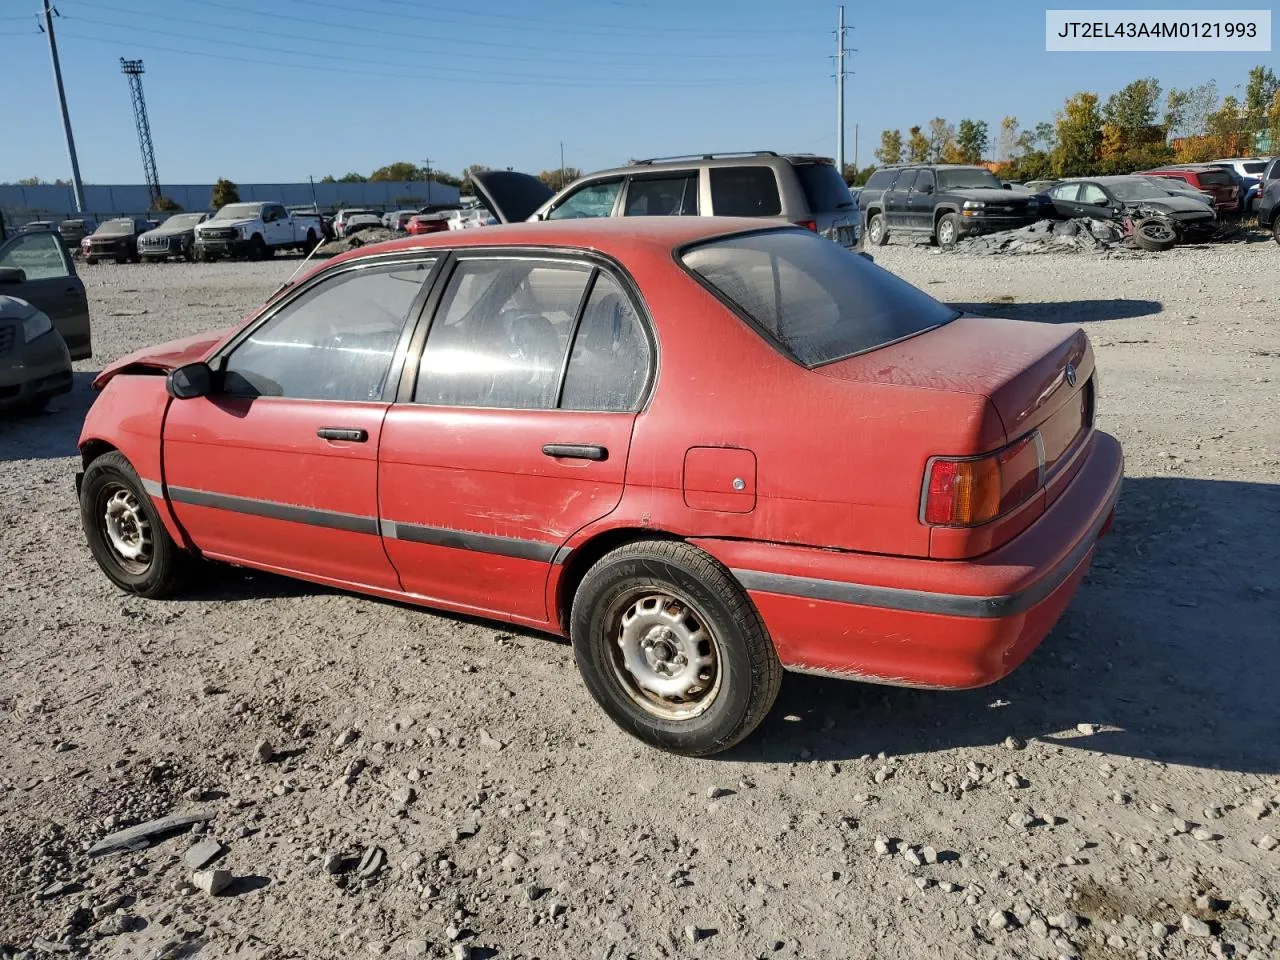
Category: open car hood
[164,357]
[510,196]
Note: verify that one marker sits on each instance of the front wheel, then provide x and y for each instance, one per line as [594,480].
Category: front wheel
[672,649]
[1154,234]
[947,231]
[125,533]
[1275,229]
[257,248]
[877,233]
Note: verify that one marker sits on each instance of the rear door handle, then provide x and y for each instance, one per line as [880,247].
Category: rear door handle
[576,451]
[343,433]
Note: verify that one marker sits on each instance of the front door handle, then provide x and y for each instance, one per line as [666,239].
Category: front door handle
[576,451]
[350,434]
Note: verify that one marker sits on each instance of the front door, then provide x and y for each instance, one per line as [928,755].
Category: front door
[502,450]
[278,468]
[1093,201]
[278,227]
[50,284]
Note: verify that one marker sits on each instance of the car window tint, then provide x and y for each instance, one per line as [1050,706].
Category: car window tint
[334,342]
[1255,168]
[610,362]
[881,179]
[1218,178]
[1092,193]
[40,256]
[744,192]
[905,179]
[925,178]
[824,188]
[592,200]
[665,197]
[815,299]
[500,334]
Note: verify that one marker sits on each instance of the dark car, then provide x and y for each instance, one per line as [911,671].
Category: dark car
[941,201]
[75,230]
[34,363]
[1269,208]
[176,237]
[37,268]
[116,240]
[1115,198]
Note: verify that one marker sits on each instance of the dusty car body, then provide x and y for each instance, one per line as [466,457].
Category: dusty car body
[1132,198]
[115,240]
[705,450]
[37,267]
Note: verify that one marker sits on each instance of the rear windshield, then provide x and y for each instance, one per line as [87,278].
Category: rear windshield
[823,187]
[238,211]
[812,297]
[1218,178]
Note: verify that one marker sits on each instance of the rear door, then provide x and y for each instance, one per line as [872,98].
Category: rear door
[895,200]
[278,468]
[1064,197]
[919,214]
[671,193]
[513,432]
[744,191]
[51,285]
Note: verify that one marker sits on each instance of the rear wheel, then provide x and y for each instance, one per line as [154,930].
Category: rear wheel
[672,649]
[1275,228]
[125,533]
[947,230]
[877,233]
[311,242]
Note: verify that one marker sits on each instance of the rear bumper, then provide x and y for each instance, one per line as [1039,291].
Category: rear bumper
[930,623]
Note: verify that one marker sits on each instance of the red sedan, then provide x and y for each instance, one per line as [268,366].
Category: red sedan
[705,450]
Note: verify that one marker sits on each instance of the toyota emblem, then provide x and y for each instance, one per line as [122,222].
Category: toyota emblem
[1071,375]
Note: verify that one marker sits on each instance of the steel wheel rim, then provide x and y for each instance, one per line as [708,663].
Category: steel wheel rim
[876,227]
[665,655]
[126,529]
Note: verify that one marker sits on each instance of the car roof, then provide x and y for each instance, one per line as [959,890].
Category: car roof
[753,159]
[613,236]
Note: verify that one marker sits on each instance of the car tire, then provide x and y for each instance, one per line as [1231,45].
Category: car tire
[125,533]
[122,259]
[91,260]
[311,242]
[1275,229]
[257,248]
[877,232]
[947,231]
[1154,234]
[714,675]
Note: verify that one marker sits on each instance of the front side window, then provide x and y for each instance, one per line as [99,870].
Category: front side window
[40,256]
[592,200]
[905,179]
[1093,194]
[744,192]
[500,334]
[924,179]
[818,301]
[675,196]
[611,357]
[334,342]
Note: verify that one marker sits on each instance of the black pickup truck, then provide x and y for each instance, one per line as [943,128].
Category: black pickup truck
[941,201]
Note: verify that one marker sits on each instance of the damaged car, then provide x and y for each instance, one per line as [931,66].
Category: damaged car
[1156,218]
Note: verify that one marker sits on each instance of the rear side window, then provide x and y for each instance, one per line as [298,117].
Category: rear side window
[500,335]
[610,363]
[665,197]
[1255,168]
[744,192]
[813,298]
[881,180]
[823,187]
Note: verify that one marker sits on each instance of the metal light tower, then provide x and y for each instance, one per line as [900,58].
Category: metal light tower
[133,69]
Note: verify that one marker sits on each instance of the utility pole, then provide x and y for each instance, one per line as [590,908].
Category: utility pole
[561,177]
[427,163]
[855,148]
[76,186]
[841,73]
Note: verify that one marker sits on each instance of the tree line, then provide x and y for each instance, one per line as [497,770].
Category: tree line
[1135,128]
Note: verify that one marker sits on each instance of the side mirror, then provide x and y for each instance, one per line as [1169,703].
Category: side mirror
[190,381]
[12,275]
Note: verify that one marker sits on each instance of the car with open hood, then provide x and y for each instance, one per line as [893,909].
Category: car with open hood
[802,189]
[707,450]
[175,237]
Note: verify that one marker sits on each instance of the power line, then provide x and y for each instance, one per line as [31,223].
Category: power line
[609,57]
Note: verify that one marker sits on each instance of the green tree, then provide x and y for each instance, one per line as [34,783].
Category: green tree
[1010,139]
[1259,93]
[1201,103]
[328,178]
[396,172]
[917,146]
[941,135]
[353,178]
[224,192]
[557,179]
[890,150]
[167,205]
[1273,121]
[1176,104]
[1133,108]
[1079,135]
[467,186]
[972,140]
[1226,127]
[29,182]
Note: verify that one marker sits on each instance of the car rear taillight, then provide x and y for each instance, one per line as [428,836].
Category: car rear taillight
[808,224]
[969,491]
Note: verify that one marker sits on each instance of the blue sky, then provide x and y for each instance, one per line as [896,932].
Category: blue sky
[276,90]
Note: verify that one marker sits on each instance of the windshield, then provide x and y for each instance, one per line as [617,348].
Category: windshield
[1130,190]
[116,228]
[967,178]
[823,187]
[1256,167]
[238,211]
[815,299]
[183,221]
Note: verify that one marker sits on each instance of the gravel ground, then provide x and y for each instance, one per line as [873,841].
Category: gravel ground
[1116,797]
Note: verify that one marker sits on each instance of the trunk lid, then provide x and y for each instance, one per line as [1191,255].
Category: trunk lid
[510,196]
[1037,376]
